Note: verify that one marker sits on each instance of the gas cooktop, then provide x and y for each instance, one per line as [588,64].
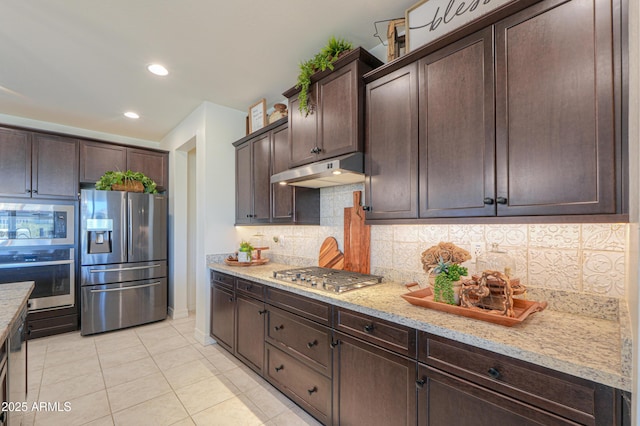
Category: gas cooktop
[334,280]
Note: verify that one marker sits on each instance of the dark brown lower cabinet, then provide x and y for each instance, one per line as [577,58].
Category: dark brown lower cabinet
[445,400]
[372,386]
[222,324]
[250,331]
[308,388]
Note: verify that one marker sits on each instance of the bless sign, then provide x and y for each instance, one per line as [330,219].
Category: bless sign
[432,19]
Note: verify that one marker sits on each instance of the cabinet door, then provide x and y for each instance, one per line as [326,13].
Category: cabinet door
[222,316]
[391,153]
[457,129]
[244,199]
[54,167]
[340,102]
[444,400]
[250,331]
[282,209]
[15,163]
[371,385]
[555,109]
[303,129]
[261,179]
[153,164]
[96,158]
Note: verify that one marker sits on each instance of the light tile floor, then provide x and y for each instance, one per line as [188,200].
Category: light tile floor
[155,374]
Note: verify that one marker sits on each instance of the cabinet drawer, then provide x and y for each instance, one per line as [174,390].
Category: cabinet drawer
[386,334]
[304,339]
[250,288]
[303,306]
[574,398]
[308,388]
[223,280]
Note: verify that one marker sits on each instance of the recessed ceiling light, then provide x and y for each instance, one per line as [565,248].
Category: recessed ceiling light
[158,69]
[131,114]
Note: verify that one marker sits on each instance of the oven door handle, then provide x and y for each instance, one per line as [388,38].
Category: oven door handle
[30,264]
[133,287]
[132,268]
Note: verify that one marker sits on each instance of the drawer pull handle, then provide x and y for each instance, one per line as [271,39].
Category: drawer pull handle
[420,383]
[368,328]
[311,391]
[494,373]
[312,344]
[279,368]
[278,327]
[334,344]
[262,312]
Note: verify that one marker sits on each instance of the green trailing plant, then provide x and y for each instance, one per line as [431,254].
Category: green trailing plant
[447,274]
[321,61]
[245,246]
[110,178]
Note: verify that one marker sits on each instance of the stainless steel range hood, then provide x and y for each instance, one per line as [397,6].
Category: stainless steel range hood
[336,171]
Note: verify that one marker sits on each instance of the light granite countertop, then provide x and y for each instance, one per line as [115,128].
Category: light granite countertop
[590,348]
[13,297]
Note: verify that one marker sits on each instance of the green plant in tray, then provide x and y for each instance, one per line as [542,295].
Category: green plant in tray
[110,178]
[447,274]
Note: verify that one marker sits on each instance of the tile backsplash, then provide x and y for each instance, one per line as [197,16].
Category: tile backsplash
[583,258]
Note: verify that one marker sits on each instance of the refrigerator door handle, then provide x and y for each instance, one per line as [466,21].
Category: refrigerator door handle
[134,287]
[133,268]
[129,227]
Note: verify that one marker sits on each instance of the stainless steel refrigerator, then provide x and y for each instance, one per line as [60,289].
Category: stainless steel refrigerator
[123,246]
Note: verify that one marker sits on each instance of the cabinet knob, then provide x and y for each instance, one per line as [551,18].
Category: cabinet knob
[313,151]
[279,368]
[494,373]
[314,389]
[231,299]
[262,312]
[368,328]
[420,383]
[501,200]
[366,208]
[27,191]
[334,344]
[312,344]
[248,287]
[278,327]
[488,201]
[34,191]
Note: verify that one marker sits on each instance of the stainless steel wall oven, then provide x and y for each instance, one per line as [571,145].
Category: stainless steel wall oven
[37,243]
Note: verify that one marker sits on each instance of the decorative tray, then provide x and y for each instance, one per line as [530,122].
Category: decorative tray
[522,308]
[254,262]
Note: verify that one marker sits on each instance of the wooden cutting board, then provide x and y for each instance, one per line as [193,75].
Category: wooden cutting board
[357,238]
[330,256]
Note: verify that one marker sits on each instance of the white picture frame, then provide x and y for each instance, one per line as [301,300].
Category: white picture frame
[257,115]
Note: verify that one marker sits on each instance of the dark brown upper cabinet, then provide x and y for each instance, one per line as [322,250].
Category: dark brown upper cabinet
[258,201]
[253,187]
[34,165]
[457,138]
[335,124]
[391,161]
[555,110]
[96,158]
[543,141]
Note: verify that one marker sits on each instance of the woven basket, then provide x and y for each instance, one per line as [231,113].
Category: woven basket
[129,186]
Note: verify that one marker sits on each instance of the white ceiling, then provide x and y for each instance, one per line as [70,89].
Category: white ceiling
[82,63]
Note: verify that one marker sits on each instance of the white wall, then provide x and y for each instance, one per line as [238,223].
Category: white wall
[210,129]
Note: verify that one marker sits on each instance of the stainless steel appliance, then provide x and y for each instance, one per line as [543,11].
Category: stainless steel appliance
[17,367]
[37,243]
[123,248]
[334,280]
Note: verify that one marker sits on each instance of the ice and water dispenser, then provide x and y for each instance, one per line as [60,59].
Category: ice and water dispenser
[100,236]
